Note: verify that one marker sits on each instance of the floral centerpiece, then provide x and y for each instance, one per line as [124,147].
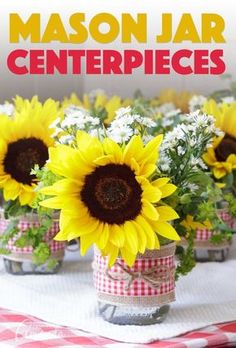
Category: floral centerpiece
[113,191]
[220,160]
[26,239]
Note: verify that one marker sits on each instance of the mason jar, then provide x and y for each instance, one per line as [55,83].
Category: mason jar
[137,295]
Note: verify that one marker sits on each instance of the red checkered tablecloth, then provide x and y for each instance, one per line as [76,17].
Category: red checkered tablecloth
[24,331]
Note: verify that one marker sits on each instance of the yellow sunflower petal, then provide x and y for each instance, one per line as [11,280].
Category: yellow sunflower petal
[110,147]
[117,236]
[160,182]
[149,210]
[134,147]
[53,203]
[167,190]
[232,159]
[151,193]
[26,198]
[152,149]
[148,230]
[103,235]
[219,172]
[166,230]
[141,237]
[112,255]
[128,256]
[87,240]
[166,213]
[131,238]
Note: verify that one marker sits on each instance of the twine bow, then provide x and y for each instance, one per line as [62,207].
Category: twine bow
[154,276]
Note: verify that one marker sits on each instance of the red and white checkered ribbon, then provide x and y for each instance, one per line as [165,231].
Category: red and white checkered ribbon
[151,276]
[205,234]
[23,225]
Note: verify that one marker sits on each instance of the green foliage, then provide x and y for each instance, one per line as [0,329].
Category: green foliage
[41,253]
[230,199]
[33,236]
[185,256]
[221,237]
[45,178]
[14,209]
[100,112]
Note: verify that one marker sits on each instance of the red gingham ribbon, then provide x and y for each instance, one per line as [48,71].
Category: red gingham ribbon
[23,225]
[120,284]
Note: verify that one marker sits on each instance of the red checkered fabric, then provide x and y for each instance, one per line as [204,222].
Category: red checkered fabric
[139,287]
[226,217]
[205,234]
[23,225]
[25,331]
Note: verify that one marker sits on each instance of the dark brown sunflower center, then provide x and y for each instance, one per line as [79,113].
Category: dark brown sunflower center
[226,147]
[112,194]
[22,155]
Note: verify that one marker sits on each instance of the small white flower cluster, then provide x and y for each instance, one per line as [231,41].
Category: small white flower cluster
[196,102]
[228,100]
[126,124]
[75,118]
[7,109]
[79,117]
[186,143]
[169,118]
[205,122]
[165,108]
[191,187]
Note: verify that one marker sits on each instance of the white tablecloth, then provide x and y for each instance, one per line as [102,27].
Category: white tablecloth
[204,297]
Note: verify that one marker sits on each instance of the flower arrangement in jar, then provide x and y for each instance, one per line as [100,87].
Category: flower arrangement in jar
[26,239]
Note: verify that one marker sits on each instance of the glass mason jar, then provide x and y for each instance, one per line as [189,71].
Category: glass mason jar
[137,295]
[19,261]
[205,250]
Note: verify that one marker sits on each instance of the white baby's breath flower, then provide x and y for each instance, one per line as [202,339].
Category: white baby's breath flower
[97,133]
[173,113]
[165,167]
[120,135]
[66,139]
[56,132]
[123,111]
[228,100]
[55,123]
[145,121]
[165,108]
[192,187]
[180,150]
[146,138]
[196,102]
[7,109]
[72,121]
[202,164]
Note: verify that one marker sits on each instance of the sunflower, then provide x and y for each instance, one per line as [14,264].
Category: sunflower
[222,156]
[100,102]
[106,196]
[190,224]
[24,143]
